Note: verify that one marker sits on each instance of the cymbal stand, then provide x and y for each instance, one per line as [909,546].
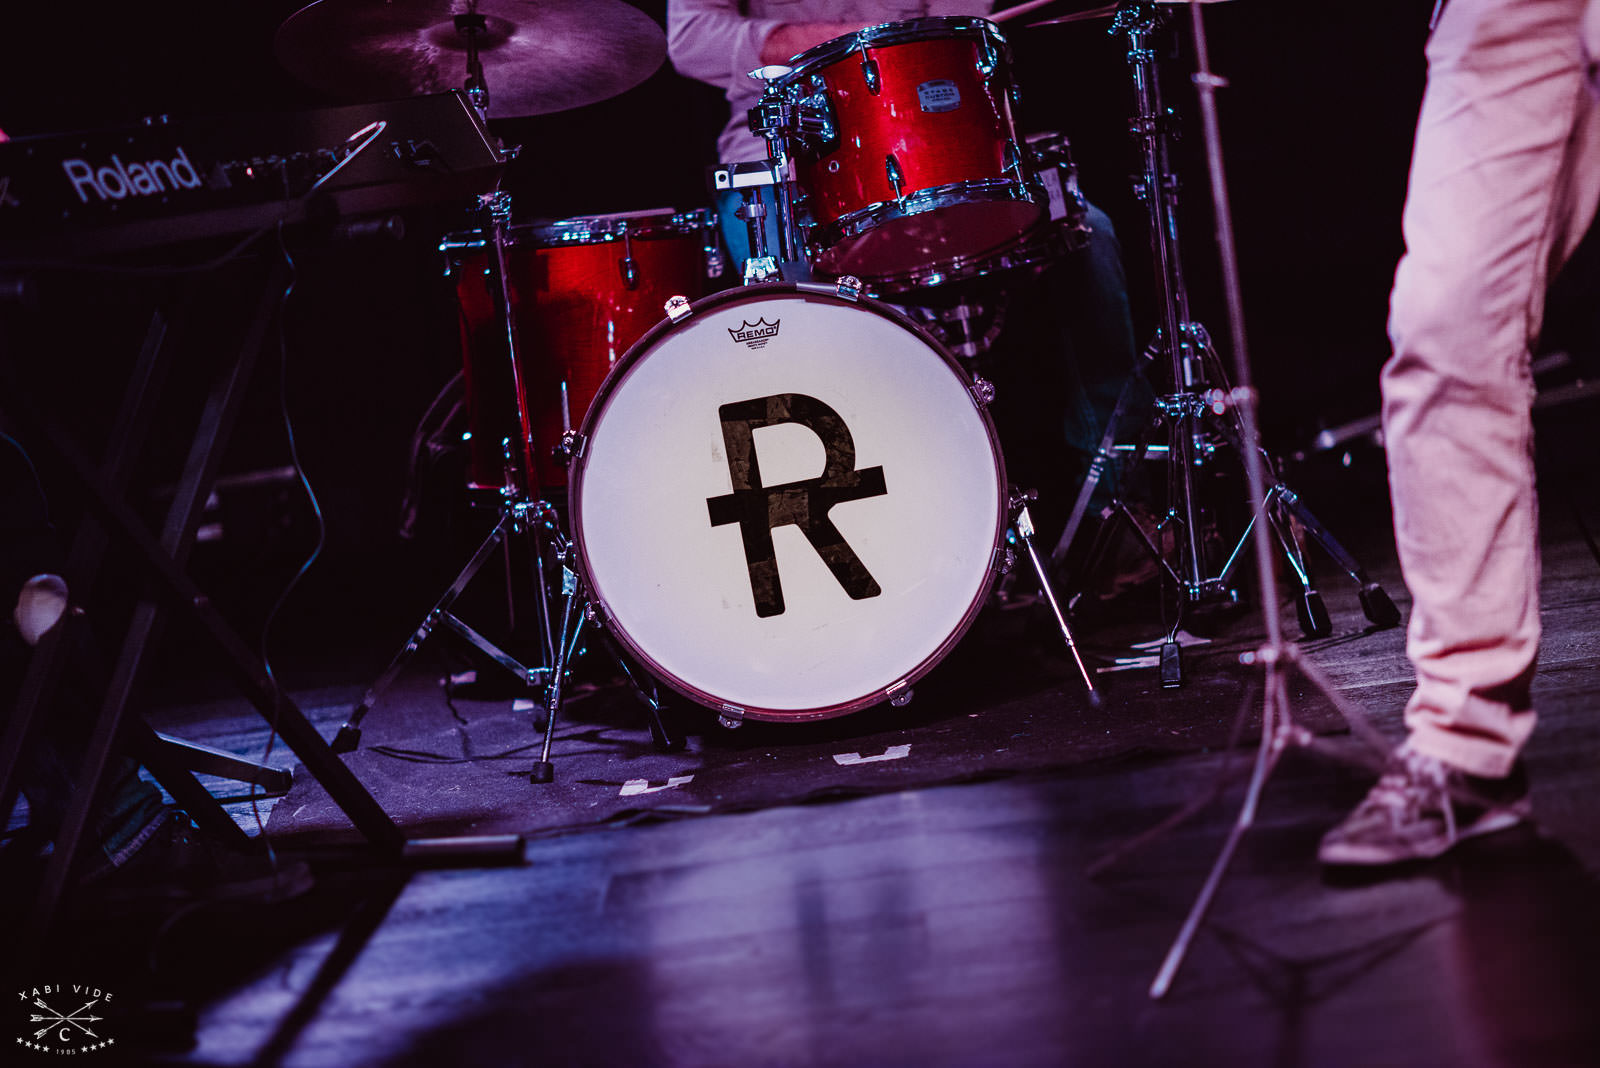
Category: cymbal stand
[1279,730]
[1199,411]
[471,25]
[520,513]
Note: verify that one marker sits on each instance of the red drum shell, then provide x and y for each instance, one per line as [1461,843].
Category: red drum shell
[575,316]
[964,187]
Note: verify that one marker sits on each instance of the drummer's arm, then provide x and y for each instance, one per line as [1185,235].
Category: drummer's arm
[711,41]
[789,39]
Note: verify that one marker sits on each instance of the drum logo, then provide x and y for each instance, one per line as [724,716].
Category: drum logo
[755,335]
[941,94]
[759,509]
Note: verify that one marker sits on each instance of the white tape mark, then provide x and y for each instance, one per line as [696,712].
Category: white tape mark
[894,752]
[634,787]
[523,704]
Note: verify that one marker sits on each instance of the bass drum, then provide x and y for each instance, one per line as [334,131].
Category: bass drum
[788,504]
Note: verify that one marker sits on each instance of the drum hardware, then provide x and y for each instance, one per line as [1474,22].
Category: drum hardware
[519,512]
[967,328]
[779,120]
[1200,407]
[749,179]
[1279,729]
[1022,530]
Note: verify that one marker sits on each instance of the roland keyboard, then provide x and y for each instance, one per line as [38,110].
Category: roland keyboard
[65,197]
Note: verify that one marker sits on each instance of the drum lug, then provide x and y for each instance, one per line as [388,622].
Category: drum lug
[627,266]
[869,72]
[1013,162]
[715,264]
[982,391]
[1005,558]
[849,287]
[900,694]
[988,55]
[892,171]
[730,716]
[571,446]
[678,308]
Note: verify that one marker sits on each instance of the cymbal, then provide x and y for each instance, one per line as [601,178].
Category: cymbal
[538,56]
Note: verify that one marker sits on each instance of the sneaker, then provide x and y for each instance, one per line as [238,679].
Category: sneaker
[1422,807]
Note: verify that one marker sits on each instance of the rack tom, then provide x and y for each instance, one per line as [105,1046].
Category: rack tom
[907,156]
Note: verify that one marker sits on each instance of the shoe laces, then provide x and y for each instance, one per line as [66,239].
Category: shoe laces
[1414,783]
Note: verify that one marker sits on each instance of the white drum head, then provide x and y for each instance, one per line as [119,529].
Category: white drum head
[845,547]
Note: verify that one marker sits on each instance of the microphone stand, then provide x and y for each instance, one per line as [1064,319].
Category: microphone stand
[1278,659]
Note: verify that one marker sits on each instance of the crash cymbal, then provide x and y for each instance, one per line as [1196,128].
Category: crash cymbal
[538,56]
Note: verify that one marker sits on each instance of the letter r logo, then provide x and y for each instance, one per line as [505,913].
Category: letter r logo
[760,509]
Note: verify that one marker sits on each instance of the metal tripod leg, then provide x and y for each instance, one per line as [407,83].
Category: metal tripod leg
[543,770]
[664,738]
[1278,729]
[1022,525]
[1281,503]
[1380,610]
[1101,462]
[349,735]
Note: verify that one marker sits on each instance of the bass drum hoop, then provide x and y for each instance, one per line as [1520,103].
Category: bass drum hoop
[575,484]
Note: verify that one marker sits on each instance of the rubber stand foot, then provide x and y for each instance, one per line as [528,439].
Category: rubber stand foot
[543,771]
[346,740]
[1379,609]
[1314,621]
[1171,665]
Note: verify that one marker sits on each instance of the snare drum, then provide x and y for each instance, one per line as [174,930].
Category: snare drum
[582,291]
[907,156]
[788,505]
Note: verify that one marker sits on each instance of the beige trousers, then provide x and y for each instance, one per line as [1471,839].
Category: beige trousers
[1504,179]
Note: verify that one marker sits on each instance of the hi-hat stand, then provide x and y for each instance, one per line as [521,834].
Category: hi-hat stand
[1199,411]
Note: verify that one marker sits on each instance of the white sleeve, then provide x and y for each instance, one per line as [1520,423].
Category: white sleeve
[711,41]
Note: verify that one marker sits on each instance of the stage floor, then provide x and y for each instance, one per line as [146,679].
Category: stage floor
[934,908]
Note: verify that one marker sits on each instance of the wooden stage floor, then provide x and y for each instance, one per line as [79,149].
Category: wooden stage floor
[956,924]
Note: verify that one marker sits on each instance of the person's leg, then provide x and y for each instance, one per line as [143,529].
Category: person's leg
[1506,119]
[1502,183]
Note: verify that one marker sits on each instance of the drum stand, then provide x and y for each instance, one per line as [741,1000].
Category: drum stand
[1279,730]
[1199,414]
